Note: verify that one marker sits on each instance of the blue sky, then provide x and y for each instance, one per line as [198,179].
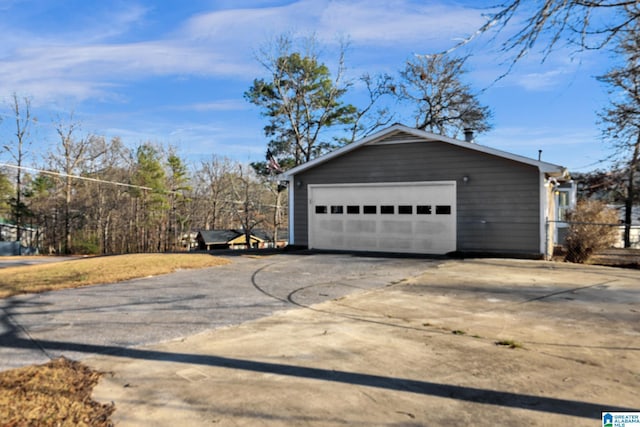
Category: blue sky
[174,71]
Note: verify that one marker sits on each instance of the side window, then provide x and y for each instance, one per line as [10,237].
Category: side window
[443,210]
[337,209]
[321,209]
[563,205]
[353,209]
[423,209]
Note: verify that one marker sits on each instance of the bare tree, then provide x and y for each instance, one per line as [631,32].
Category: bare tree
[585,24]
[69,157]
[443,104]
[18,151]
[604,185]
[366,120]
[277,189]
[249,210]
[621,119]
[104,211]
[213,192]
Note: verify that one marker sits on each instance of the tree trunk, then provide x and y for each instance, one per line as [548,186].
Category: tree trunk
[18,211]
[105,234]
[276,218]
[67,216]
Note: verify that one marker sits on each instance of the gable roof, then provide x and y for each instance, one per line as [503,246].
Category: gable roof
[211,237]
[267,235]
[401,134]
[217,237]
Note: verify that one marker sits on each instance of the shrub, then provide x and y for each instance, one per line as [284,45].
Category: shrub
[592,227]
[86,246]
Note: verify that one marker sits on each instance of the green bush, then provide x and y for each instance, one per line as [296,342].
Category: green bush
[86,246]
[592,227]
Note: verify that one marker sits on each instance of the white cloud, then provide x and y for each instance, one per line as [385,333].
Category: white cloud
[115,23]
[93,70]
[220,105]
[243,25]
[400,22]
[531,73]
[541,81]
[82,64]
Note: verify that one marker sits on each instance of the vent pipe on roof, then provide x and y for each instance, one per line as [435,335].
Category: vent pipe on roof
[468,135]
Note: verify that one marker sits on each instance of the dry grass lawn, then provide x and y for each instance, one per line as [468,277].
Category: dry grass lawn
[97,270]
[59,393]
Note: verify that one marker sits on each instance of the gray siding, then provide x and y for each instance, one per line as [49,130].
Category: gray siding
[498,209]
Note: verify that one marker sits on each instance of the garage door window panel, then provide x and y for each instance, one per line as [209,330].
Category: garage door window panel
[387,209]
[405,210]
[423,209]
[443,210]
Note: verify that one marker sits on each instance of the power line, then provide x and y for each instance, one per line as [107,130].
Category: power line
[85,178]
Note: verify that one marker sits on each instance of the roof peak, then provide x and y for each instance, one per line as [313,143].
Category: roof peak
[545,167]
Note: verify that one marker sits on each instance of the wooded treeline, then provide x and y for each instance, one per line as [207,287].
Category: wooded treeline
[96,196]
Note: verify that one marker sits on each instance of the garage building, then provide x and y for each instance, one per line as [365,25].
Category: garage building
[410,191]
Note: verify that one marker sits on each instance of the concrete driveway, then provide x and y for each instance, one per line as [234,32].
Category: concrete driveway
[110,318]
[421,352]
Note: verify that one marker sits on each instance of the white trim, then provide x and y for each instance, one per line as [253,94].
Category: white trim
[548,168]
[292,221]
[544,207]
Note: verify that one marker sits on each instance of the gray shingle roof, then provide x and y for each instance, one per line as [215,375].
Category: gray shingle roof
[212,237]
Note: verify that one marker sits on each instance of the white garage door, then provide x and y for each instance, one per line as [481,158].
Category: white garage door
[416,217]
